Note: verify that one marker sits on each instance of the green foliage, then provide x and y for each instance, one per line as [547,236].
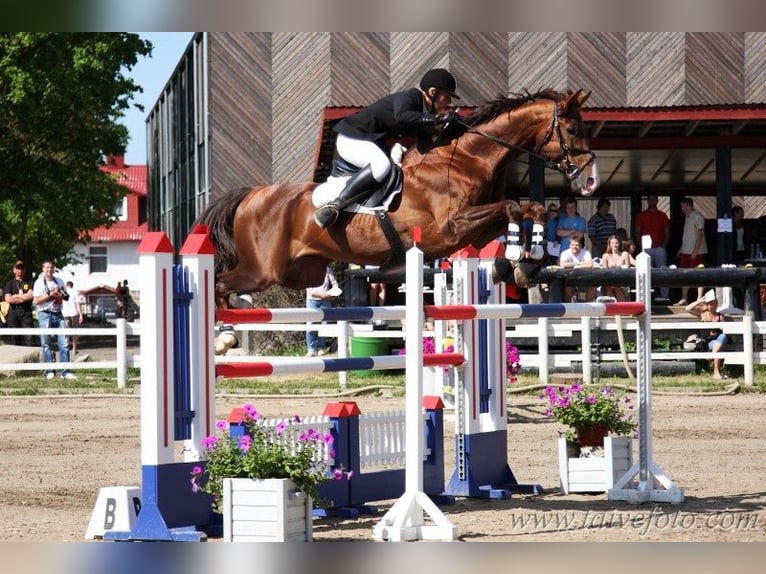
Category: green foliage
[578,406]
[61,96]
[264,451]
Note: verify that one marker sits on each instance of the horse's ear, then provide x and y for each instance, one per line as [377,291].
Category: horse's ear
[574,101]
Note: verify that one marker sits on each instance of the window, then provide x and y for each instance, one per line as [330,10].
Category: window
[121,209]
[98,259]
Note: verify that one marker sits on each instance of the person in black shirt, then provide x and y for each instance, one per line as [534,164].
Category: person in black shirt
[362,136]
[18,294]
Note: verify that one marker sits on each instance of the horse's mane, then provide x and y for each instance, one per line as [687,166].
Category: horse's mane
[502,103]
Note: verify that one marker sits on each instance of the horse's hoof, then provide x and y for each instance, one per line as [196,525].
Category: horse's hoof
[326,215]
[502,270]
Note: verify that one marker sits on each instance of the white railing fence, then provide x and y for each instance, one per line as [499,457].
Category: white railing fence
[542,330]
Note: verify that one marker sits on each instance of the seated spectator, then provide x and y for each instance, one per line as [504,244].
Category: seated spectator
[706,308]
[576,257]
[615,257]
[627,244]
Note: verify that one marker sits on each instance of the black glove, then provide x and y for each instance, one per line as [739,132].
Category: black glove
[447,117]
[439,120]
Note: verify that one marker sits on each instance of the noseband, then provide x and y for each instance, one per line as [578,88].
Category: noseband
[563,163]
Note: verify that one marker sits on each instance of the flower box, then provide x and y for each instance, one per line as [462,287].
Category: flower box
[265,510]
[594,473]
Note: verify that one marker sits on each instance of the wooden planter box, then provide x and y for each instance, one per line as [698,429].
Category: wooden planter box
[268,510]
[594,474]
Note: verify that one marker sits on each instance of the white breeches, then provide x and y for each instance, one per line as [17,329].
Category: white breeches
[361,153]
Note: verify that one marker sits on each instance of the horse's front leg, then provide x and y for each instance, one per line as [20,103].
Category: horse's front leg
[480,224]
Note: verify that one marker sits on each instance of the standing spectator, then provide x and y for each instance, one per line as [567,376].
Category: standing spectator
[320,297]
[743,238]
[655,223]
[601,226]
[706,308]
[571,225]
[49,295]
[693,244]
[18,294]
[552,249]
[577,257]
[119,293]
[72,311]
[616,257]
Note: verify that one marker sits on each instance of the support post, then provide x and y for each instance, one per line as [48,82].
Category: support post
[405,519]
[652,484]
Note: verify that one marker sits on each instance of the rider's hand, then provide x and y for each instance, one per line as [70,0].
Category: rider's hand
[447,118]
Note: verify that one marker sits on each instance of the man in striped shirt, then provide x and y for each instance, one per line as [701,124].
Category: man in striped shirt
[601,226]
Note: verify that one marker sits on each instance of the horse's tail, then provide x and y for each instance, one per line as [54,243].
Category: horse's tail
[218,216]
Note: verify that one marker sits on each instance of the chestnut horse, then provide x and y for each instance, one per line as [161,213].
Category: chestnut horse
[454,191]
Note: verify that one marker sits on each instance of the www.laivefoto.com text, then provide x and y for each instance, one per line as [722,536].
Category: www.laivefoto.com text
[641,522]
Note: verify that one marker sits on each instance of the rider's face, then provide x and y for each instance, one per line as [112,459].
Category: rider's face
[441,100]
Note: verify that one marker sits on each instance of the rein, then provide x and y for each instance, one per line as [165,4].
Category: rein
[568,168]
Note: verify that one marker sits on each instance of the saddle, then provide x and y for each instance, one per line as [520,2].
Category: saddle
[342,168]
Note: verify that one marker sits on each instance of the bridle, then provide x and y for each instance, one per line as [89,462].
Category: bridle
[562,164]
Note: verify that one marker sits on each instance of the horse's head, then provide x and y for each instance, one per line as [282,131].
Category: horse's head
[547,125]
[565,146]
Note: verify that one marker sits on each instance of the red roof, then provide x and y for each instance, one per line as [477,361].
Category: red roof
[131,176]
[134,178]
[119,233]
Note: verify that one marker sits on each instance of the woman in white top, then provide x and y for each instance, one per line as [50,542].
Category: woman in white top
[615,256]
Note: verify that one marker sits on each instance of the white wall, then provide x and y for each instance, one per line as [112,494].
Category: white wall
[122,263]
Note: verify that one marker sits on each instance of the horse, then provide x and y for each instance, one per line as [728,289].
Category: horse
[454,191]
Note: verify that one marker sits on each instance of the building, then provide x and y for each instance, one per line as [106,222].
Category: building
[110,255]
[673,113]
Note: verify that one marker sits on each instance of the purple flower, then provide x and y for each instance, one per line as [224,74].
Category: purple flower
[280,428]
[244,443]
[209,442]
[220,425]
[197,470]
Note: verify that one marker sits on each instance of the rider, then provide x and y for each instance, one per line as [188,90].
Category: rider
[362,136]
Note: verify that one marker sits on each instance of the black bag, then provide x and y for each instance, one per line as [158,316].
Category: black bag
[695,343]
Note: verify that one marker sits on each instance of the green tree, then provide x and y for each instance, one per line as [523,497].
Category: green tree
[61,95]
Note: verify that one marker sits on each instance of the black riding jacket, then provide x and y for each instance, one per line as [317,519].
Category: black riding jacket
[395,115]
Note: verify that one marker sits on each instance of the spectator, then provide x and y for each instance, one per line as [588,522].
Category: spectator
[743,235]
[571,225]
[655,223]
[552,248]
[576,257]
[377,290]
[693,244]
[18,294]
[706,309]
[49,295]
[601,226]
[615,257]
[72,311]
[628,245]
[120,293]
[320,297]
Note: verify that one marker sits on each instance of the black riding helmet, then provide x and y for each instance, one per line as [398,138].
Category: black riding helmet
[441,79]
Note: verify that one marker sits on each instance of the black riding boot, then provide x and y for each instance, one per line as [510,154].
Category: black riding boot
[360,185]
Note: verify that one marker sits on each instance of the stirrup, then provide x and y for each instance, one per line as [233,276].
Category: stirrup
[326,215]
[513,243]
[536,250]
